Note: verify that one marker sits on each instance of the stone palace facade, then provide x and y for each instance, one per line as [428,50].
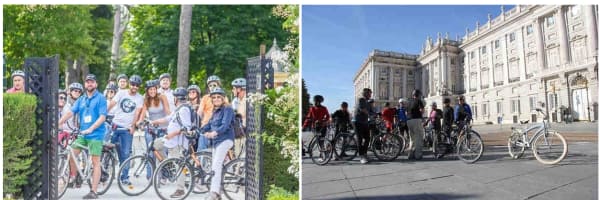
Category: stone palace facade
[504,68]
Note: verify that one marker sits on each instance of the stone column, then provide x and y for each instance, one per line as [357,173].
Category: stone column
[443,68]
[591,31]
[521,51]
[390,83]
[562,34]
[478,68]
[404,82]
[467,72]
[431,83]
[491,64]
[539,40]
[505,68]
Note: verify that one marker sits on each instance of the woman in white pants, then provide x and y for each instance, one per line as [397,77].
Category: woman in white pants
[219,129]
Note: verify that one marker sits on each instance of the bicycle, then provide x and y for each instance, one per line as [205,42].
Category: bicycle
[542,140]
[83,163]
[192,169]
[385,145]
[469,145]
[320,148]
[141,166]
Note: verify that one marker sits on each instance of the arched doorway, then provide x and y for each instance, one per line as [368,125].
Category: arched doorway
[579,97]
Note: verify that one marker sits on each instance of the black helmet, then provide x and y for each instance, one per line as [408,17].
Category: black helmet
[416,92]
[180,93]
[121,76]
[135,80]
[344,104]
[217,90]
[151,83]
[112,86]
[164,75]
[446,100]
[318,98]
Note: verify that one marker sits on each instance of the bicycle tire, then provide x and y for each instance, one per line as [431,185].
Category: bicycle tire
[144,162]
[205,159]
[324,151]
[516,146]
[173,168]
[107,165]
[543,138]
[345,146]
[63,175]
[234,178]
[386,146]
[461,146]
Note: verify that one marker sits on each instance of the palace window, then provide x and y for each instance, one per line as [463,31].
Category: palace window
[532,103]
[499,107]
[496,44]
[515,106]
[483,50]
[549,21]
[511,37]
[529,29]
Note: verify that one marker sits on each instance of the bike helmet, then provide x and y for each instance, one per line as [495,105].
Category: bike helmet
[239,82]
[218,91]
[190,134]
[194,87]
[135,80]
[213,78]
[61,91]
[164,75]
[74,86]
[180,93]
[112,86]
[17,73]
[400,100]
[318,98]
[151,83]
[121,76]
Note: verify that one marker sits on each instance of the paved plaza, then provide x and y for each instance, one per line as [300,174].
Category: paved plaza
[494,176]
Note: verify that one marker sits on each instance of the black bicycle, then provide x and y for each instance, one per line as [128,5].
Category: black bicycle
[466,142]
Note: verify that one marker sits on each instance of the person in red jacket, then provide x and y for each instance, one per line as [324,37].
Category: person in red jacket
[388,116]
[318,116]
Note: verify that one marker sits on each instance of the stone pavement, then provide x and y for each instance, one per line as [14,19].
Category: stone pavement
[494,176]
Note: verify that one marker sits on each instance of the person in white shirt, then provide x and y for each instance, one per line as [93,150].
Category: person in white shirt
[165,88]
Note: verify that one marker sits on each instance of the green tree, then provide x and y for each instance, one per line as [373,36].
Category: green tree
[305,100]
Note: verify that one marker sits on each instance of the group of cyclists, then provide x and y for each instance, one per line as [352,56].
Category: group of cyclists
[405,119]
[180,114]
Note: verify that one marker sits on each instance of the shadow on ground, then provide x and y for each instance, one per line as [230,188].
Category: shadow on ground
[413,196]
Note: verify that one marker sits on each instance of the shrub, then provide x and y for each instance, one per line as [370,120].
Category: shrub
[19,130]
[278,193]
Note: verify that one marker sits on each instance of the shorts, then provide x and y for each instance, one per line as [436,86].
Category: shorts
[95,146]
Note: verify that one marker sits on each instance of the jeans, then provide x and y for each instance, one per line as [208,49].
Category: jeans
[161,133]
[203,143]
[218,156]
[124,138]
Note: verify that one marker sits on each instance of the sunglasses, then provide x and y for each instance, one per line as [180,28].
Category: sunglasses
[78,91]
[212,85]
[134,85]
[217,97]
[62,98]
[110,91]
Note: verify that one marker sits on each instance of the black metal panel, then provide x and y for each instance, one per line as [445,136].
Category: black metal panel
[259,76]
[41,79]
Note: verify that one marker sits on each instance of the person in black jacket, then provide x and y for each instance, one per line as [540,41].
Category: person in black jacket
[415,115]
[341,118]
[448,118]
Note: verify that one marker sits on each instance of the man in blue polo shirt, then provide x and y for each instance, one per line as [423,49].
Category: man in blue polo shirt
[92,112]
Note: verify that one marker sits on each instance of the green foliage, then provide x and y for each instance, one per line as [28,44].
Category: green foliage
[71,31]
[278,193]
[18,131]
[305,100]
[222,39]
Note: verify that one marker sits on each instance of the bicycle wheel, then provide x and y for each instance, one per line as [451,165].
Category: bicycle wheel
[550,148]
[201,185]
[346,147]
[516,146]
[234,179]
[107,173]
[387,147]
[141,168]
[320,150]
[470,147]
[173,179]
[63,174]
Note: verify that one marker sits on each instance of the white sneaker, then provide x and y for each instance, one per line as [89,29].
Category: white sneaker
[363,160]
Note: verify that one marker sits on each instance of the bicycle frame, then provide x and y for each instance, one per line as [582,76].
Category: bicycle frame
[539,128]
[87,162]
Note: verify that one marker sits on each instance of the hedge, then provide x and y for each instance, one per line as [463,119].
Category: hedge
[19,129]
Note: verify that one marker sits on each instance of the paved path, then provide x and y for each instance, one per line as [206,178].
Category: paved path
[495,176]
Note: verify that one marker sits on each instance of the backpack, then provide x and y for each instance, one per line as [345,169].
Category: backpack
[193,116]
[238,126]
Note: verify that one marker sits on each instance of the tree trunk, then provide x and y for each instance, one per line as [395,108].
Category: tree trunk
[121,19]
[70,76]
[183,57]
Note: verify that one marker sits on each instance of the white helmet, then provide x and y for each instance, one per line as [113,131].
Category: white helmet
[401,100]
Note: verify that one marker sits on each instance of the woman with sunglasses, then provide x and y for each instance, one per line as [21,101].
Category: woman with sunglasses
[75,91]
[110,92]
[205,108]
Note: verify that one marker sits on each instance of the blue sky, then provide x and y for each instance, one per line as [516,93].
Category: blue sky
[337,39]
